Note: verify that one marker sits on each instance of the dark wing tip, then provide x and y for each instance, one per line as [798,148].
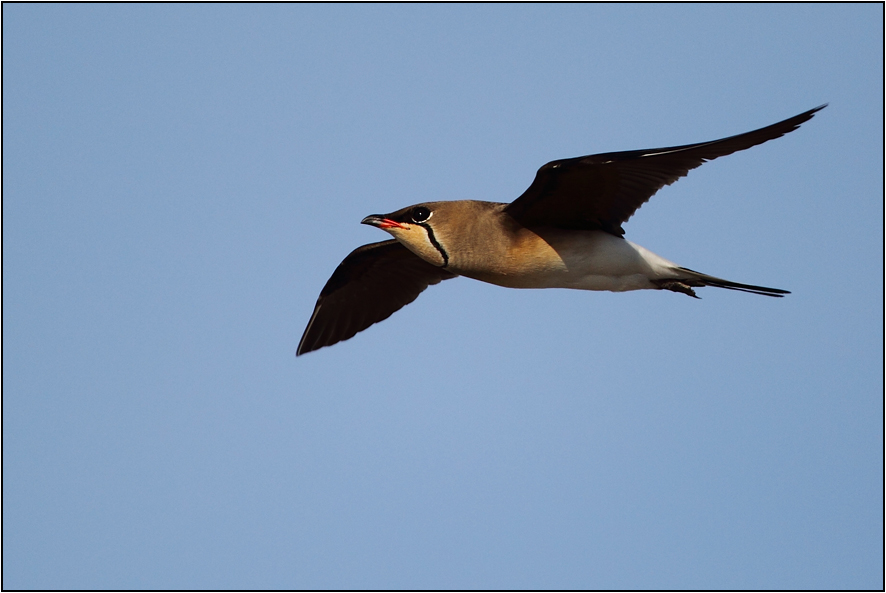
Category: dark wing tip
[800,119]
[303,347]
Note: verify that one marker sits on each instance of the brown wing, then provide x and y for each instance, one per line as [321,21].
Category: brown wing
[602,191]
[367,287]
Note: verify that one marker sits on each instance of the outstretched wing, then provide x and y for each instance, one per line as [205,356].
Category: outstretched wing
[369,285]
[602,191]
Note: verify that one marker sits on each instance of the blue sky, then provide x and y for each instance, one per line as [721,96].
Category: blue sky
[179,181]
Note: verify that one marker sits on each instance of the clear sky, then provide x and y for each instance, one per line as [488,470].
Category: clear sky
[179,181]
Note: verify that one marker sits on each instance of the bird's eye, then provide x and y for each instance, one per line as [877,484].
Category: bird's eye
[420,214]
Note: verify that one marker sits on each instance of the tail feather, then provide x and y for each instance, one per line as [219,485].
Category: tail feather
[699,279]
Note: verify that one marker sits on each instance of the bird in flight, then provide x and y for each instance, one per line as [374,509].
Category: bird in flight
[564,231]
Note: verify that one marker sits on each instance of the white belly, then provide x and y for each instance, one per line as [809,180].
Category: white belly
[585,260]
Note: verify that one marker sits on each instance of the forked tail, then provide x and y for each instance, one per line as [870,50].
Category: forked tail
[697,279]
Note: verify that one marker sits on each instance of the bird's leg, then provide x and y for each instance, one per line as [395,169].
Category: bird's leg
[676,286]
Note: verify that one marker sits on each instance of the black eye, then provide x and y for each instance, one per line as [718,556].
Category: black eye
[420,214]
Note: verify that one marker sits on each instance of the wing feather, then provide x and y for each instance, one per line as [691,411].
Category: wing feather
[368,286]
[603,191]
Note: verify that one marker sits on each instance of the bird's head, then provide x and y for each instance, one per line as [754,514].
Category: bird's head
[418,228]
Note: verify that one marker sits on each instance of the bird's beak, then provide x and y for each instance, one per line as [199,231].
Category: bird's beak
[377,220]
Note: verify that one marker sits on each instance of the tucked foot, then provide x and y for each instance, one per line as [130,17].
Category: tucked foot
[677,286]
